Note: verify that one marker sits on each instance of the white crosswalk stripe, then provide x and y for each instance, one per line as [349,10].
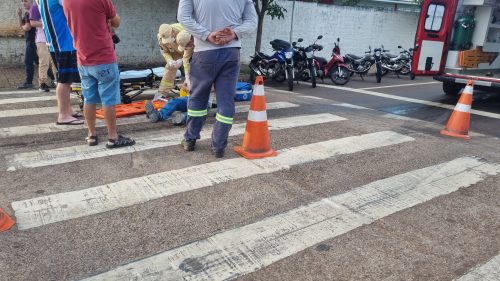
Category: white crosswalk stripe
[489,271]
[27,99]
[30,111]
[246,249]
[52,127]
[59,207]
[13,93]
[160,139]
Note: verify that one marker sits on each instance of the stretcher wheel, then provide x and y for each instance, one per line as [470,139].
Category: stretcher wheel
[126,99]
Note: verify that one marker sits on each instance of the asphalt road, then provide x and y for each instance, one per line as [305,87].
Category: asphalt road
[363,188]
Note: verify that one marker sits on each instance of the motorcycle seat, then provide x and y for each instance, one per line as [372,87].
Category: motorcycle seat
[321,60]
[353,57]
[390,55]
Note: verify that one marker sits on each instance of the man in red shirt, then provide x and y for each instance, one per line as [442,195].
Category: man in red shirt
[90,22]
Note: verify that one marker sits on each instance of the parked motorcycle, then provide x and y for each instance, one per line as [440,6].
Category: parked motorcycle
[399,64]
[278,67]
[336,69]
[304,66]
[360,64]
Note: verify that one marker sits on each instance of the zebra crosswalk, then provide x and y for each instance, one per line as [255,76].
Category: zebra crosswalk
[236,252]
[234,248]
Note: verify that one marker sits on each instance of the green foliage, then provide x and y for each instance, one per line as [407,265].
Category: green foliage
[270,8]
[275,11]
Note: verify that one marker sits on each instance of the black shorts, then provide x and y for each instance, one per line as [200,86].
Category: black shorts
[67,67]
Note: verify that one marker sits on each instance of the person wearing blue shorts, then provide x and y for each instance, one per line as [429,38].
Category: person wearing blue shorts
[90,23]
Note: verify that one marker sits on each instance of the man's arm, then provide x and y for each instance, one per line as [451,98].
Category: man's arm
[185,17]
[186,57]
[24,22]
[35,23]
[26,26]
[249,24]
[115,21]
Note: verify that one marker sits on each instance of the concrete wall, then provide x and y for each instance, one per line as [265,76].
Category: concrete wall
[138,46]
[140,22]
[356,27]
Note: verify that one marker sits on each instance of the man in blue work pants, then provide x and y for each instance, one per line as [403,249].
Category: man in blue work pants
[219,67]
[218,27]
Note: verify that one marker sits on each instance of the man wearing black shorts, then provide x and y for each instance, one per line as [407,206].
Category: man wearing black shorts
[63,54]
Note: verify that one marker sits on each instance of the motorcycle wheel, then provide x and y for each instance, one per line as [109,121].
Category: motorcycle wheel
[289,72]
[313,76]
[280,77]
[340,75]
[379,76]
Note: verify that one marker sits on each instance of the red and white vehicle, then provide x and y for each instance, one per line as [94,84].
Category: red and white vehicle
[437,27]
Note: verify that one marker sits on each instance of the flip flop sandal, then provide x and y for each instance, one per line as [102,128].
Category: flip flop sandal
[78,115]
[92,140]
[121,141]
[72,122]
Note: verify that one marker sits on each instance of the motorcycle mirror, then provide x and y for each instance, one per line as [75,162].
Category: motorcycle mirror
[338,39]
[399,47]
[300,40]
[320,37]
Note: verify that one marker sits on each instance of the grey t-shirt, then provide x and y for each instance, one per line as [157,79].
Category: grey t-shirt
[200,17]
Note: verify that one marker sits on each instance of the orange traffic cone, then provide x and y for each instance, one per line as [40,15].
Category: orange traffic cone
[256,141]
[5,221]
[459,122]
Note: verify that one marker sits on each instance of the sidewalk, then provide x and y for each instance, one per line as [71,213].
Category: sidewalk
[11,77]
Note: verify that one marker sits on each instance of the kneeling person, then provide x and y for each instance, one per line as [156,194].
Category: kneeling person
[176,107]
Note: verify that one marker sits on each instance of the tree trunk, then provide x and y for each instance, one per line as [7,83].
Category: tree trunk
[259,32]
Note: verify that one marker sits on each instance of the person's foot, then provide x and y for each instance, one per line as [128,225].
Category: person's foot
[44,88]
[75,121]
[121,141]
[151,113]
[218,153]
[92,140]
[188,145]
[25,86]
[177,118]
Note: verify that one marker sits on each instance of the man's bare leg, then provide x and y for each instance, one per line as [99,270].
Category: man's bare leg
[89,112]
[110,118]
[64,103]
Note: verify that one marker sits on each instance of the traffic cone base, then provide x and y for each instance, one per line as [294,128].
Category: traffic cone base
[254,155]
[449,133]
[6,222]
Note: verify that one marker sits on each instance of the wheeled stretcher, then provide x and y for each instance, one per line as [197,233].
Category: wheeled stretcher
[133,83]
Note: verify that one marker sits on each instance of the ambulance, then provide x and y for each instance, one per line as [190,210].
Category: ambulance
[457,41]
